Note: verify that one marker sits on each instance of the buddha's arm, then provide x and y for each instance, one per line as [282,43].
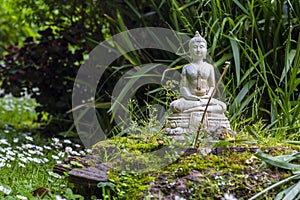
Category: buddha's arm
[185,91]
[211,81]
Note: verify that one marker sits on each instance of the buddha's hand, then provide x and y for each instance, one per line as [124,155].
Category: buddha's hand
[205,97]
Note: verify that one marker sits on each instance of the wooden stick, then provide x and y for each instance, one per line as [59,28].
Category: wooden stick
[206,107]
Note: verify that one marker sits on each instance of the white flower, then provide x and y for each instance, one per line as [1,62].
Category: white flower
[89,150]
[77,145]
[31,151]
[39,148]
[2,150]
[46,160]
[24,160]
[54,174]
[27,146]
[19,148]
[229,197]
[20,155]
[10,158]
[10,153]
[37,160]
[75,153]
[21,165]
[55,157]
[4,141]
[2,164]
[16,140]
[8,165]
[68,149]
[29,138]
[179,198]
[35,89]
[57,197]
[6,191]
[47,147]
[67,142]
[55,140]
[21,197]
[61,154]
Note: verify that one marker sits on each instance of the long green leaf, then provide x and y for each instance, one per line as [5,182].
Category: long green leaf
[236,56]
[277,162]
[293,192]
[297,176]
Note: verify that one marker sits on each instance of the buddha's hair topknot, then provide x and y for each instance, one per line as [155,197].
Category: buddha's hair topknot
[197,38]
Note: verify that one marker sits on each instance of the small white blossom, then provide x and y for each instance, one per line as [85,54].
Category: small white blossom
[24,159]
[11,153]
[21,197]
[229,197]
[29,138]
[37,160]
[16,140]
[21,165]
[31,151]
[4,141]
[89,150]
[2,164]
[54,174]
[57,197]
[10,158]
[5,190]
[75,153]
[68,149]
[61,154]
[6,131]
[39,148]
[55,157]
[67,142]
[47,147]
[27,146]
[55,140]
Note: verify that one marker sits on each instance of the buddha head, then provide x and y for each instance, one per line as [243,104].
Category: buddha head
[198,47]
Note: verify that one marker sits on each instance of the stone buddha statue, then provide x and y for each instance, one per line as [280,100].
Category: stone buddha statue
[197,86]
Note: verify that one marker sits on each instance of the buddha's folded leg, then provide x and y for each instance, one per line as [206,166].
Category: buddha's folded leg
[181,105]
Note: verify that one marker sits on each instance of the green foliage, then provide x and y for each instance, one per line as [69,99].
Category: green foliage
[284,162]
[260,38]
[20,112]
[14,28]
[39,68]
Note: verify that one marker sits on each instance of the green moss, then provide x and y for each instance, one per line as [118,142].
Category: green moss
[236,170]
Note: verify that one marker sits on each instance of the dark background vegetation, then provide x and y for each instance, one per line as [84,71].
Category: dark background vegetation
[44,42]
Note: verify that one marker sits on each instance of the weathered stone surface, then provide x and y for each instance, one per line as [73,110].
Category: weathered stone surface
[90,176]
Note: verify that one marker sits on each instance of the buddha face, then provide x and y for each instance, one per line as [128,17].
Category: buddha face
[198,50]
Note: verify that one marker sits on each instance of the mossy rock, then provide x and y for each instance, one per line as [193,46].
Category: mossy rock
[226,169]
[234,171]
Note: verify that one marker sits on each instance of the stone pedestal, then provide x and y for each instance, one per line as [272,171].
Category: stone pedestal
[184,124]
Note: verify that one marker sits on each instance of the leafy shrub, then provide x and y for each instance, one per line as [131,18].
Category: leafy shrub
[20,112]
